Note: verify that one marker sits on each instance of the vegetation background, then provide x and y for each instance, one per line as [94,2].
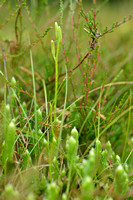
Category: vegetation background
[66,78]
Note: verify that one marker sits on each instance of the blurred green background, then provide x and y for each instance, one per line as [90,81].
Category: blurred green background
[44,2]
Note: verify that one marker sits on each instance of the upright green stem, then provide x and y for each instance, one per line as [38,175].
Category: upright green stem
[55,56]
[128,126]
[99,117]
[69,181]
[63,114]
[56,85]
[35,102]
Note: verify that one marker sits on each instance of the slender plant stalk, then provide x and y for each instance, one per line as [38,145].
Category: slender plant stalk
[45,94]
[128,126]
[35,102]
[69,181]
[99,106]
[51,122]
[55,55]
[63,113]
[128,156]
[56,86]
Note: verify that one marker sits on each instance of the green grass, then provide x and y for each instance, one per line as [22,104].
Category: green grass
[66,101]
